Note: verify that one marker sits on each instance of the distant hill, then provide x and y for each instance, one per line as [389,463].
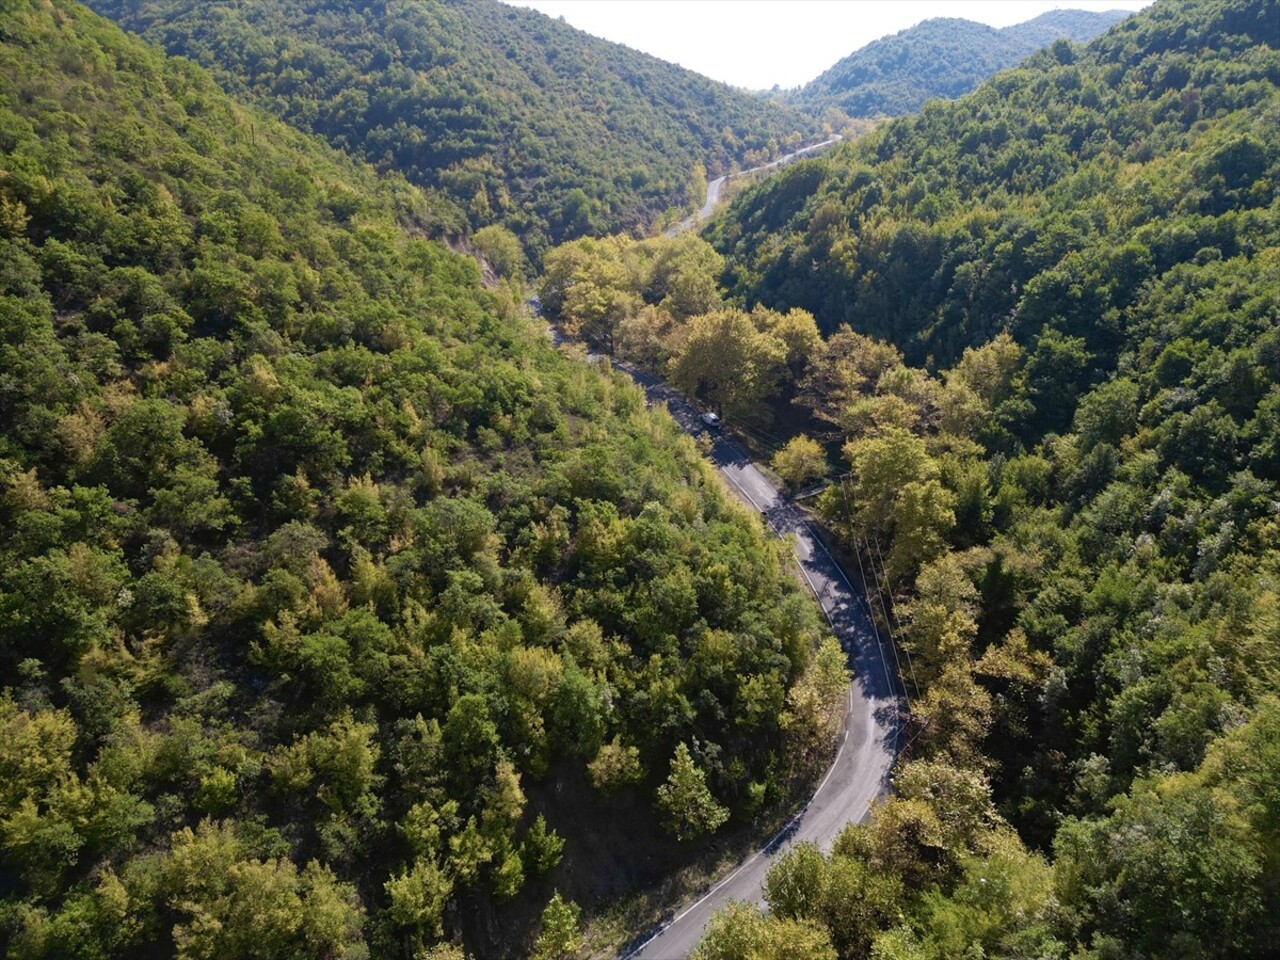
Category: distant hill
[945,57]
[516,117]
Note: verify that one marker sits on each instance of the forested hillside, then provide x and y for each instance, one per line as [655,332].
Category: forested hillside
[944,57]
[516,118]
[1046,198]
[1052,369]
[336,608]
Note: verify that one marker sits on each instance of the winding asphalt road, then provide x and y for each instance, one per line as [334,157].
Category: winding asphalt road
[860,772]
[714,187]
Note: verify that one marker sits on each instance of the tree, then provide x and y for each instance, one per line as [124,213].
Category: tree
[1056,372]
[502,249]
[941,622]
[858,901]
[814,702]
[418,896]
[794,886]
[956,713]
[883,465]
[502,801]
[561,933]
[896,491]
[923,515]
[615,766]
[587,288]
[800,462]
[843,368]
[470,738]
[684,275]
[1177,864]
[741,932]
[686,799]
[35,752]
[542,848]
[798,331]
[722,359]
[232,905]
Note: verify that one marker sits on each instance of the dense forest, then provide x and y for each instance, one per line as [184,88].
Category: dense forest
[1048,372]
[340,615]
[515,118]
[943,57]
[1051,365]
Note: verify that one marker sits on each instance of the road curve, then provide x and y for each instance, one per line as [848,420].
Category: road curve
[869,743]
[714,187]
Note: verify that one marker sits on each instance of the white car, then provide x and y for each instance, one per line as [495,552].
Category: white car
[711,420]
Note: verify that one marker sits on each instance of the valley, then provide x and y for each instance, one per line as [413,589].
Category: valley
[870,735]
[346,614]
[714,187]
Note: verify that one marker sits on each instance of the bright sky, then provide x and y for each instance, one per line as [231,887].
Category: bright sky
[759,43]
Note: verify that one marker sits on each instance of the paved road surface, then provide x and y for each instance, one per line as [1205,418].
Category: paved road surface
[714,187]
[859,774]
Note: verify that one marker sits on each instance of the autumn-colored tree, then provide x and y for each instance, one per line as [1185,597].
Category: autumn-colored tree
[722,359]
[800,462]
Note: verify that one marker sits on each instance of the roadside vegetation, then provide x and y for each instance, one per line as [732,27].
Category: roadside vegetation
[339,614]
[1058,474]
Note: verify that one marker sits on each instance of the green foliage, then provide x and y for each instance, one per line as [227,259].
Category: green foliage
[542,848]
[233,905]
[615,766]
[655,303]
[1056,399]
[723,360]
[505,115]
[800,462]
[687,801]
[317,561]
[417,898]
[796,883]
[625,295]
[945,57]
[1058,195]
[561,933]
[501,248]
[740,932]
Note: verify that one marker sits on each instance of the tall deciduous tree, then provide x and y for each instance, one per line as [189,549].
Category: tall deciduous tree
[722,359]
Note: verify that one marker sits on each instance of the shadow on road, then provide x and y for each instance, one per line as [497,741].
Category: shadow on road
[872,727]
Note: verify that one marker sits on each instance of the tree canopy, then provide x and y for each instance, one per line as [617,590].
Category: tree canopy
[941,57]
[506,115]
[1051,311]
[320,568]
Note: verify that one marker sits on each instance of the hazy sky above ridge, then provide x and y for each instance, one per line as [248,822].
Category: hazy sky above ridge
[759,43]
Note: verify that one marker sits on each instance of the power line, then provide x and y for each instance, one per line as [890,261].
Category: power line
[857,553]
[769,439]
[905,652]
[761,429]
[888,619]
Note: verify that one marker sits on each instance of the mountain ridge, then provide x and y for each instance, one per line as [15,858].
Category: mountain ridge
[939,57]
[515,117]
